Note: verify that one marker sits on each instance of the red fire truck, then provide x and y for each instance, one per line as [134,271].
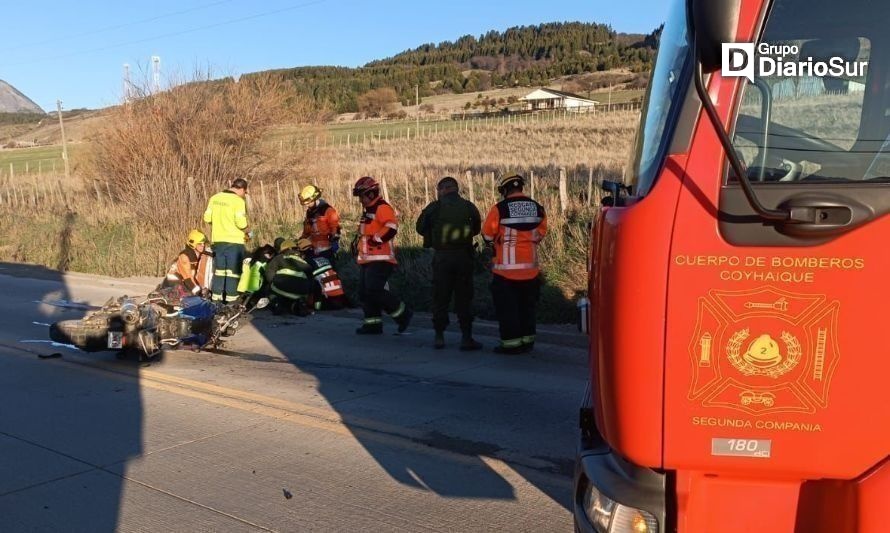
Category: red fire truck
[738,282]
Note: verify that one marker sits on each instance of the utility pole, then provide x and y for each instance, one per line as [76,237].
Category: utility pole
[417,104]
[64,141]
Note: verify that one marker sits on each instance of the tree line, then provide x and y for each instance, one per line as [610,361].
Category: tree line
[519,56]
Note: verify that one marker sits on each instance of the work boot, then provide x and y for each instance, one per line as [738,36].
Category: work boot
[528,347]
[404,319]
[467,342]
[370,329]
[439,341]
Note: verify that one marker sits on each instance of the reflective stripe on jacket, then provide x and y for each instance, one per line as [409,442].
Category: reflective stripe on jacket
[327,277]
[227,214]
[322,224]
[515,225]
[190,268]
[378,220]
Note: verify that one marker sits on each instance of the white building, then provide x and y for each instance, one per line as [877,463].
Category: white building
[552,99]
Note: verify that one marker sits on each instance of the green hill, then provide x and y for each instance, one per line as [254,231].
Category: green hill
[519,56]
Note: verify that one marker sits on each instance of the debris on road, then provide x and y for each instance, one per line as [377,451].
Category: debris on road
[287,494]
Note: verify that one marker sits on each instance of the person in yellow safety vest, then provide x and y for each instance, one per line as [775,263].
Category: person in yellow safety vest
[227,214]
[253,268]
[322,223]
[190,270]
[290,281]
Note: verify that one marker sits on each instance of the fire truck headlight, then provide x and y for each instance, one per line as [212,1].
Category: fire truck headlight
[609,516]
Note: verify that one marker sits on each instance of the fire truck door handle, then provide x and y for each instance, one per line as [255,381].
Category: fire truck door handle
[822,215]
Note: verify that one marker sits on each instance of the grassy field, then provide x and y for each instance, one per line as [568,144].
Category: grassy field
[103,238]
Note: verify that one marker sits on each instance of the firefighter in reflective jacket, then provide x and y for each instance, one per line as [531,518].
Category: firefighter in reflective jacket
[191,270]
[374,249]
[289,279]
[322,223]
[515,227]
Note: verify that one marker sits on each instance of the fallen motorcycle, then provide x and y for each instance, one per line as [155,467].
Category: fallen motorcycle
[145,327]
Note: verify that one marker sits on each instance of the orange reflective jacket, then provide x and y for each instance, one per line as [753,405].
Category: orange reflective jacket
[377,229]
[515,226]
[322,225]
[190,268]
[327,277]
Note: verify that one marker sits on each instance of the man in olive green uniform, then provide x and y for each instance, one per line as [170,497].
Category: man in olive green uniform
[448,225]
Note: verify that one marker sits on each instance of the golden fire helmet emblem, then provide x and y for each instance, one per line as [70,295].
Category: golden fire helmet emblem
[763,357]
[763,352]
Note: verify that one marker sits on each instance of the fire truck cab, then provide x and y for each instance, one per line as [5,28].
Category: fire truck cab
[739,282]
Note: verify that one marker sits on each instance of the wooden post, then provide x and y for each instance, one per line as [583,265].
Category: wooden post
[589,186]
[531,179]
[470,187]
[385,188]
[348,140]
[563,190]
[278,195]
[426,190]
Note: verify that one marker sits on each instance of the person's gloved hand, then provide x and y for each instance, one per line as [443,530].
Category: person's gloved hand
[196,290]
[205,293]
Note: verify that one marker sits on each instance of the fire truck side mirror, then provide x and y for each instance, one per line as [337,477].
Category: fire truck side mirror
[713,22]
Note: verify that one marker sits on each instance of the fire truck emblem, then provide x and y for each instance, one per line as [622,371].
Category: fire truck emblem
[764,350]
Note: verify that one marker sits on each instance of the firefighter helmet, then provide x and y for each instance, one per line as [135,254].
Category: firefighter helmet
[309,194]
[196,237]
[304,244]
[365,185]
[763,352]
[509,181]
[287,244]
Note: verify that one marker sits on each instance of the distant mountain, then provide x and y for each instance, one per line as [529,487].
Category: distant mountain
[13,101]
[518,56]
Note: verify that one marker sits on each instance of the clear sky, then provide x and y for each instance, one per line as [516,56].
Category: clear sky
[75,51]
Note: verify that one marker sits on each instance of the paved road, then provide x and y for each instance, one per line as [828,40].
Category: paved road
[297,426]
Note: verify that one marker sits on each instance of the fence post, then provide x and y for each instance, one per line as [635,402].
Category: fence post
[426,190]
[589,186]
[385,188]
[563,190]
[348,140]
[190,186]
[470,187]
[531,179]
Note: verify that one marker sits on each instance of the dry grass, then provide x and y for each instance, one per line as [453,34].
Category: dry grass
[97,229]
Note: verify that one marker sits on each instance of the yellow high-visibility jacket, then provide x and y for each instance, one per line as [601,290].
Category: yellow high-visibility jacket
[227,213]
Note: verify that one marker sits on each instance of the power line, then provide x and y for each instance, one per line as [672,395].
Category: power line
[172,34]
[116,26]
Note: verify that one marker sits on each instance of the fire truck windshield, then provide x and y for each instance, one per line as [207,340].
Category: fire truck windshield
[819,106]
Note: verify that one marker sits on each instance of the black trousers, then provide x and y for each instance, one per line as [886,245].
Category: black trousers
[372,290]
[515,304]
[453,277]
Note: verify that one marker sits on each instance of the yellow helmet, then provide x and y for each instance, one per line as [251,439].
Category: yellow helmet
[763,351]
[309,194]
[196,237]
[287,244]
[304,244]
